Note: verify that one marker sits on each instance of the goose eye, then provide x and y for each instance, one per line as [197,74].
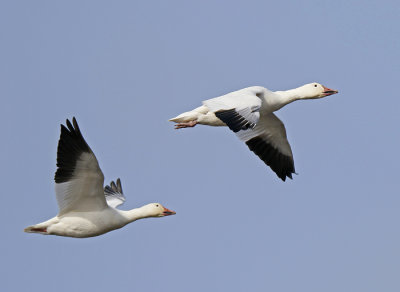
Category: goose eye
[315,85]
[157,205]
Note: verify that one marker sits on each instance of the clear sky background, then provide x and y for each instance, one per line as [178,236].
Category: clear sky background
[123,68]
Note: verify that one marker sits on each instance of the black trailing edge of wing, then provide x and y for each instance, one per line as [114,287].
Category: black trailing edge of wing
[70,147]
[281,164]
[234,120]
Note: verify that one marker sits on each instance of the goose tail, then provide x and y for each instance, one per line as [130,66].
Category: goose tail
[192,115]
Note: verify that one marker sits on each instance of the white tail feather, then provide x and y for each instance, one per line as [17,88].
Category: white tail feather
[193,115]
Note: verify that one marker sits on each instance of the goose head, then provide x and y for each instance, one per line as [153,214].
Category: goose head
[157,210]
[315,90]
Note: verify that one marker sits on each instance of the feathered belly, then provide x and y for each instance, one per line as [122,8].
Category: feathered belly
[85,225]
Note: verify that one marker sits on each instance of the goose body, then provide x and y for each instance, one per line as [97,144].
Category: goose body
[249,113]
[85,208]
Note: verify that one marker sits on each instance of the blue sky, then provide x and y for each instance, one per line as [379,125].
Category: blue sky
[123,68]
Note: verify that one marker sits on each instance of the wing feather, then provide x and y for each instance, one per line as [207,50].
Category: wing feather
[269,142]
[114,194]
[79,179]
[237,108]
[263,133]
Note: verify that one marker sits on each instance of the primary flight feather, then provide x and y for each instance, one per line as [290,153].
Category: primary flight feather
[249,113]
[87,209]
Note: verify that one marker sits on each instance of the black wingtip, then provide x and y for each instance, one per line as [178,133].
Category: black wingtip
[282,165]
[113,186]
[70,146]
[119,186]
[234,120]
[116,187]
[69,125]
[76,126]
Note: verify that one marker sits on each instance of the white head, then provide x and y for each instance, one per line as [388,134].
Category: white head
[156,210]
[315,90]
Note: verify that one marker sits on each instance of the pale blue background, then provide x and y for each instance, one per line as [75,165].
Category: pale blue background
[123,68]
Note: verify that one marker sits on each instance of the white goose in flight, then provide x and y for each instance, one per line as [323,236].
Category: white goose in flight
[86,209]
[249,113]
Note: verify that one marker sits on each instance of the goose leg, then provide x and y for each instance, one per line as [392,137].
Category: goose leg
[186,125]
[32,229]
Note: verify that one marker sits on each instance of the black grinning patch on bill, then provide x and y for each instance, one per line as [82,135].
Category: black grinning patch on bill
[281,164]
[234,120]
[70,147]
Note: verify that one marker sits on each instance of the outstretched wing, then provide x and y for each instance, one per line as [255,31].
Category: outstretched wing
[264,134]
[239,110]
[79,179]
[114,194]
[269,142]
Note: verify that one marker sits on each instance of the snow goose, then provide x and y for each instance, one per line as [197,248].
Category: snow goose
[249,113]
[85,208]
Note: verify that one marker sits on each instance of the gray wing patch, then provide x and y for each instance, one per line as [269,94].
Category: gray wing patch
[114,194]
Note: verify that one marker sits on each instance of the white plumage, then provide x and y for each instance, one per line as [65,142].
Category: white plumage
[85,208]
[249,113]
